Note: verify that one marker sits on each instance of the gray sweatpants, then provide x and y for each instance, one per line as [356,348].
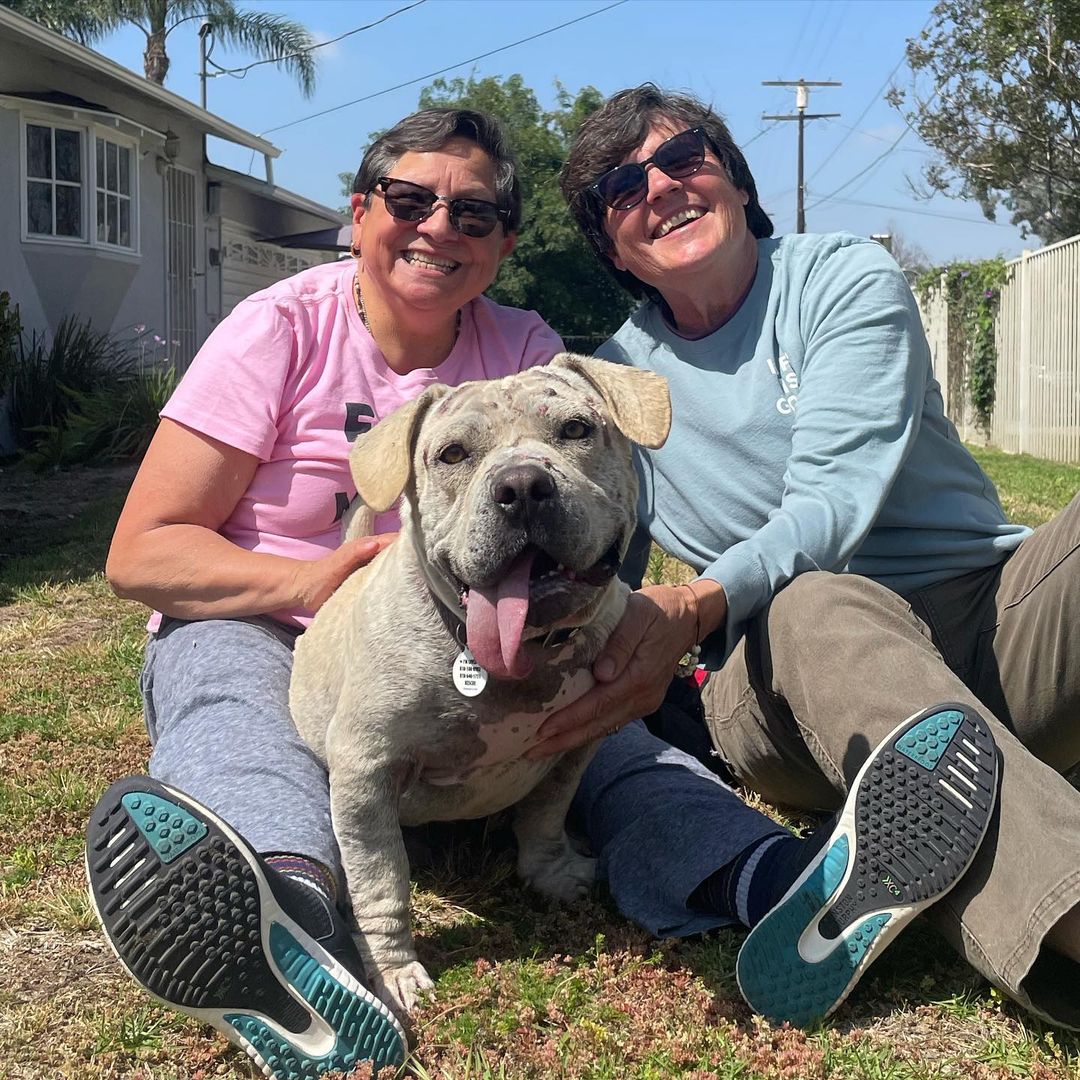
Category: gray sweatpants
[836,661]
[216,697]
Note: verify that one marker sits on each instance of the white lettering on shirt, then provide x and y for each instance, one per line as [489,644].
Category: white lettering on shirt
[789,383]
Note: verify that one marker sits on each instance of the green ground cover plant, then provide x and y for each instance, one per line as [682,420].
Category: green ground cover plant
[524,990]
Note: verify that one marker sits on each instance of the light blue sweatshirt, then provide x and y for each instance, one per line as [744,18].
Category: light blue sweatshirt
[809,433]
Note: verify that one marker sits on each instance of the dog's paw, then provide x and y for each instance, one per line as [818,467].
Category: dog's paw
[566,876]
[401,987]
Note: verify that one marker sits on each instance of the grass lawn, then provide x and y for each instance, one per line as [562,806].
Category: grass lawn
[525,990]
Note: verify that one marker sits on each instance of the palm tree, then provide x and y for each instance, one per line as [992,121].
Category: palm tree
[269,37]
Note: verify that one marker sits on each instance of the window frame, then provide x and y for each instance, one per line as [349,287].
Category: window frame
[90,134]
[119,141]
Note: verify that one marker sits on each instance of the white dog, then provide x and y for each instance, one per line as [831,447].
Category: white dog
[424,678]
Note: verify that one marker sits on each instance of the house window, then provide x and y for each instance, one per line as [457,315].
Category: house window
[81,183]
[113,186]
[54,194]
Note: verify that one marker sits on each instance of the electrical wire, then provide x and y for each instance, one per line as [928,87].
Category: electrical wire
[796,47]
[874,98]
[754,138]
[862,172]
[836,19]
[240,72]
[925,213]
[442,71]
[880,138]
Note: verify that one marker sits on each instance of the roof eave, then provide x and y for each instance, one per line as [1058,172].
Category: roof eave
[220,174]
[71,51]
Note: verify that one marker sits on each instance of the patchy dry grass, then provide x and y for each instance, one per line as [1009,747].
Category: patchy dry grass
[524,990]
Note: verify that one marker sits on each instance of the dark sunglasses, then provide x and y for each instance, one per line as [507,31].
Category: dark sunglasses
[412,202]
[626,185]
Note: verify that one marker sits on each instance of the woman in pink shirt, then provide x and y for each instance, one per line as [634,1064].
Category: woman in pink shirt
[231,534]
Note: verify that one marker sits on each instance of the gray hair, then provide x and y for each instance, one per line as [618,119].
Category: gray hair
[430,130]
[616,129]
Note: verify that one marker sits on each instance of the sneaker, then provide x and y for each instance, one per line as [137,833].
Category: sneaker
[914,818]
[197,920]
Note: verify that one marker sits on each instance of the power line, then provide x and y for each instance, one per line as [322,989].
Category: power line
[754,138]
[862,172]
[240,72]
[836,19]
[768,200]
[442,71]
[882,139]
[877,161]
[796,47]
[808,58]
[869,105]
[854,127]
[925,213]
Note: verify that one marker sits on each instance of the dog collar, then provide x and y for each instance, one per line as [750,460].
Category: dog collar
[443,589]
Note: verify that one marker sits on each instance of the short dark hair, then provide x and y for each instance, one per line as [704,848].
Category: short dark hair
[431,129]
[620,125]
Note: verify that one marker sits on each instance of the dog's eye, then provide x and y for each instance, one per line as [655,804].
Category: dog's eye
[454,454]
[575,429]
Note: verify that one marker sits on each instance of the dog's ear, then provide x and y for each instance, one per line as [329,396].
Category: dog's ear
[381,460]
[639,400]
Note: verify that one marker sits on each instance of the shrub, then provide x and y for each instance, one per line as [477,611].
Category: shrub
[79,359]
[10,336]
[113,423]
[84,396]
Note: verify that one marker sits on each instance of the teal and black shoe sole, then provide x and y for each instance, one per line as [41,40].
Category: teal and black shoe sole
[188,911]
[913,821]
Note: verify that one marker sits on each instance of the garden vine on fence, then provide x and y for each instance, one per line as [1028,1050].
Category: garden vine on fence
[973,290]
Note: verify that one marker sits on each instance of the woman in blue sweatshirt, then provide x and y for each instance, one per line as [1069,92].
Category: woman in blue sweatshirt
[862,604]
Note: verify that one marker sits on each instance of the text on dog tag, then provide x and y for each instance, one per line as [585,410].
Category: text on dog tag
[469,677]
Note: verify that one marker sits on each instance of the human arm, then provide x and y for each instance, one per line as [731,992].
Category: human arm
[857,366]
[167,553]
[853,369]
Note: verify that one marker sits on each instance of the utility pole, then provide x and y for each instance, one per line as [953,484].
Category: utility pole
[205,30]
[802,99]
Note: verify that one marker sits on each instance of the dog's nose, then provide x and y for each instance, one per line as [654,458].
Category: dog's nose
[518,489]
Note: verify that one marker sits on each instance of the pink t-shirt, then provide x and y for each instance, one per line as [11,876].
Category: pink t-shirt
[293,377]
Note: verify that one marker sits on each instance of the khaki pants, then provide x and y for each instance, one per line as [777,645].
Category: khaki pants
[836,661]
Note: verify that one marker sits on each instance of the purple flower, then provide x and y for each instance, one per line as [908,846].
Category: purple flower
[988,293]
[158,340]
[140,329]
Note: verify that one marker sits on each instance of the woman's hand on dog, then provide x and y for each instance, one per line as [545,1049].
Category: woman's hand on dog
[636,665]
[317,580]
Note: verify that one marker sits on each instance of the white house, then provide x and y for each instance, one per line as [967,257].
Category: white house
[115,214]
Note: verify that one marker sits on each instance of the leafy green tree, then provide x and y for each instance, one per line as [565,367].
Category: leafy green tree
[551,270]
[269,37]
[996,92]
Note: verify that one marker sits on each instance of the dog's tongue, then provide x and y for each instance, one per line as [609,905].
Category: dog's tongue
[495,619]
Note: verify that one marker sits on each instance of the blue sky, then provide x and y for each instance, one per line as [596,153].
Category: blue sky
[721,50]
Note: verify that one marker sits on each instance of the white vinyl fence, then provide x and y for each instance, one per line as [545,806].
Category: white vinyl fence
[1037,405]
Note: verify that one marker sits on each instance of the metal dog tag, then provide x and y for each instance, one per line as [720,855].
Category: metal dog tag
[469,677]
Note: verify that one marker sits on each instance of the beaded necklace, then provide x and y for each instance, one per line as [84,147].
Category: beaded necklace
[359,296]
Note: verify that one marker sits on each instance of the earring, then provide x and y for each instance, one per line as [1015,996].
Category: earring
[354,251]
